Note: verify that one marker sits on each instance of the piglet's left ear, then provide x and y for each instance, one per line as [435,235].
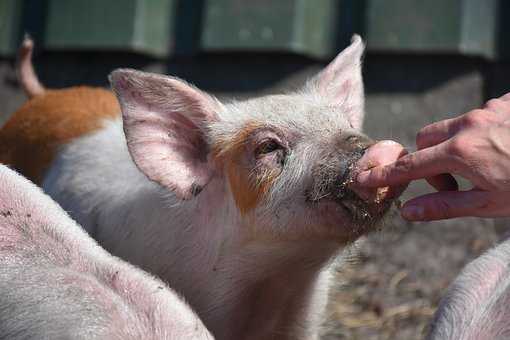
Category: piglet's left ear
[341,82]
[166,122]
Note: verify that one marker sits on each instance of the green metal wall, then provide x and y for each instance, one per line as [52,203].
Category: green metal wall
[317,28]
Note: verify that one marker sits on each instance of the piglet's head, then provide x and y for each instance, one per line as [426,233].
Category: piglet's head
[284,160]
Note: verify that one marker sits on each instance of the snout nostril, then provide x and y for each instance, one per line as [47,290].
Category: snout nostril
[352,139]
[359,142]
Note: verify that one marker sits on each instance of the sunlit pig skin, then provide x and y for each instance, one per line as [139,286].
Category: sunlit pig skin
[477,304]
[57,283]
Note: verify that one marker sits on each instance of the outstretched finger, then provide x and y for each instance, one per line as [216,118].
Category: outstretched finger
[420,164]
[447,204]
[437,133]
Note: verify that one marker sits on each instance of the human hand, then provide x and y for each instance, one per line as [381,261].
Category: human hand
[475,146]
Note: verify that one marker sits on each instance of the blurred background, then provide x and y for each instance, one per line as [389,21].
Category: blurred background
[425,61]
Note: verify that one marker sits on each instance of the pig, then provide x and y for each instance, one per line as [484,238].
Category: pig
[31,137]
[476,305]
[246,208]
[57,283]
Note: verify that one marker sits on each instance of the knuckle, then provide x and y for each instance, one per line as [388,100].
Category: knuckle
[439,209]
[476,118]
[421,138]
[505,97]
[458,147]
[406,163]
[460,153]
[497,104]
[493,104]
[488,204]
[380,173]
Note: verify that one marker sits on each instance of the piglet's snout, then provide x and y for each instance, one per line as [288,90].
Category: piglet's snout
[380,153]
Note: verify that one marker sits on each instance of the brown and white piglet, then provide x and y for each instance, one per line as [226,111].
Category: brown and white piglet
[243,207]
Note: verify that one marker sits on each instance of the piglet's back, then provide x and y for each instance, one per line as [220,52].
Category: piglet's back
[57,283]
[50,118]
[31,137]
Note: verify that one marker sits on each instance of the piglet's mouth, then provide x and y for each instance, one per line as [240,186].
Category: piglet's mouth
[364,206]
[364,211]
[343,202]
[333,189]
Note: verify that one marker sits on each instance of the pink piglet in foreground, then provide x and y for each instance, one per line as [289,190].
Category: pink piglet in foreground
[57,283]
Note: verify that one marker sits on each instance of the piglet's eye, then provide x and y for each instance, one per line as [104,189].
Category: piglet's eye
[267,147]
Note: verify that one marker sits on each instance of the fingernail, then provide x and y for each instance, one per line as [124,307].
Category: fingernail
[412,212]
[362,177]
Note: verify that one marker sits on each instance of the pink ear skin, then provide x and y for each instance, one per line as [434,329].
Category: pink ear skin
[165,121]
[341,82]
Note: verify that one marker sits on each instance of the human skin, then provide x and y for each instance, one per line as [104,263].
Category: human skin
[475,146]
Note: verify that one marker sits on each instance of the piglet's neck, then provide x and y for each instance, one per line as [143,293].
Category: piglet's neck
[244,287]
[273,291]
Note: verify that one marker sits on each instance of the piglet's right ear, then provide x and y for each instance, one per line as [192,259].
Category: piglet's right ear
[165,122]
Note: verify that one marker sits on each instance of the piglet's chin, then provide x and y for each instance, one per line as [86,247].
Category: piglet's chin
[381,153]
[338,221]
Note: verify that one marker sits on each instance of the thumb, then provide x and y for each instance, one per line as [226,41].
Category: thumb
[448,204]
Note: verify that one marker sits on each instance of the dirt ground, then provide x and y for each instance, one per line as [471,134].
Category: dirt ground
[392,287]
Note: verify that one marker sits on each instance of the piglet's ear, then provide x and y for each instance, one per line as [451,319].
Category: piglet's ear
[341,82]
[165,122]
